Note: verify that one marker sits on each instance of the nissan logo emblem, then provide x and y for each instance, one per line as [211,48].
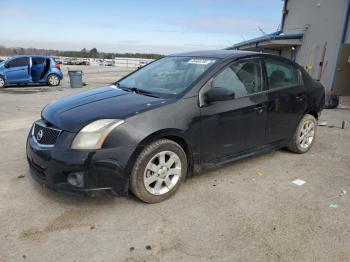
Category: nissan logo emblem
[39,135]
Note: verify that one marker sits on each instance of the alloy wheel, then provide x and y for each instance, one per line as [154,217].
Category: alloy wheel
[54,80]
[2,82]
[162,173]
[307,134]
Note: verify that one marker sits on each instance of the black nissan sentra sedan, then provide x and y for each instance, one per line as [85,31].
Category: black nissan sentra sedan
[173,118]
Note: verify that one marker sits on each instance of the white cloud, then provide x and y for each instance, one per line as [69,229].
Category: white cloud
[223,25]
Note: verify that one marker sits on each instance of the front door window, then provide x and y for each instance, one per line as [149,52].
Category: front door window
[18,62]
[243,78]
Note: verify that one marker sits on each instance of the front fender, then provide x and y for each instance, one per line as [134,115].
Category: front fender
[179,121]
[2,74]
[180,118]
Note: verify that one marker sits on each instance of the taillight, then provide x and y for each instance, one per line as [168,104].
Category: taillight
[58,66]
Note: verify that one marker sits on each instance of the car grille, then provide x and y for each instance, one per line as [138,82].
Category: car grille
[45,136]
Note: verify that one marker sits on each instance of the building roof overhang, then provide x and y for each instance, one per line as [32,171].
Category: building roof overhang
[275,40]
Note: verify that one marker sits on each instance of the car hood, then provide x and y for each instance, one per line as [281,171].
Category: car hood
[74,112]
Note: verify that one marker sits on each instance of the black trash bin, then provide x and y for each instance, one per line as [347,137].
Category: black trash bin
[75,78]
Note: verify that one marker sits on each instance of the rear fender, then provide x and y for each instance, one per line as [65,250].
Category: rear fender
[54,71]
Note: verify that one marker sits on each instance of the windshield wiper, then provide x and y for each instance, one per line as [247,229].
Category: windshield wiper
[138,91]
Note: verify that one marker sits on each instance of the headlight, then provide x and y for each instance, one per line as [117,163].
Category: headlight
[94,134]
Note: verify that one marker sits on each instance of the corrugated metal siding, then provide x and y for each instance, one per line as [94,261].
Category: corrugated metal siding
[321,21]
[348,35]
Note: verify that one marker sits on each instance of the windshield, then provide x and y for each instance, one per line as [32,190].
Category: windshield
[167,76]
[2,60]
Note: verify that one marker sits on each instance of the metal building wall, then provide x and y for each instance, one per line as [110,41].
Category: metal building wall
[286,52]
[347,40]
[321,21]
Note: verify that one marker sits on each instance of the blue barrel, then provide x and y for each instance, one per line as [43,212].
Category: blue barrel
[76,78]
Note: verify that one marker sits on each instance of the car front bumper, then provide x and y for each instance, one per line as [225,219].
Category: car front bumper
[104,169]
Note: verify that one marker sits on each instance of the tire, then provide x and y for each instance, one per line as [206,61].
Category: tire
[2,82]
[53,80]
[304,135]
[152,179]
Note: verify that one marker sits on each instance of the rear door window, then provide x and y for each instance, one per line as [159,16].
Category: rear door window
[281,74]
[19,62]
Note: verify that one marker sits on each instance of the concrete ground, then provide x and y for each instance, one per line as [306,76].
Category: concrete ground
[247,211]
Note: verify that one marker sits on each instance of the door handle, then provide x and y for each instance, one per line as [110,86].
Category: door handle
[259,108]
[300,97]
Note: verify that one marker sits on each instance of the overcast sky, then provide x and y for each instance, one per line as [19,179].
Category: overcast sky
[135,25]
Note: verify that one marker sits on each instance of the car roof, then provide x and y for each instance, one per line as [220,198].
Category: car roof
[35,56]
[219,54]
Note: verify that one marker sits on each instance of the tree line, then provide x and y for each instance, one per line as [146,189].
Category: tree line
[84,53]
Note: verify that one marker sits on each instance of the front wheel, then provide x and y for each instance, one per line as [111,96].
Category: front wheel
[53,80]
[158,171]
[304,135]
[2,82]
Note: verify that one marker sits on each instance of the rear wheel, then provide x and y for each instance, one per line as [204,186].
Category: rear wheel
[304,136]
[2,82]
[158,171]
[53,80]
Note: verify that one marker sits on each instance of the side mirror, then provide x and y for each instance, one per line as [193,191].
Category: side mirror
[7,65]
[219,94]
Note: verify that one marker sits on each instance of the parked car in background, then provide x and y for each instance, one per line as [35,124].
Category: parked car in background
[108,62]
[175,117]
[76,61]
[83,62]
[27,69]
[71,61]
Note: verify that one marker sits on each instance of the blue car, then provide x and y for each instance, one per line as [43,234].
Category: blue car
[26,69]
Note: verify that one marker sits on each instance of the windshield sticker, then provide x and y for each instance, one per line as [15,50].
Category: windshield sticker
[201,61]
